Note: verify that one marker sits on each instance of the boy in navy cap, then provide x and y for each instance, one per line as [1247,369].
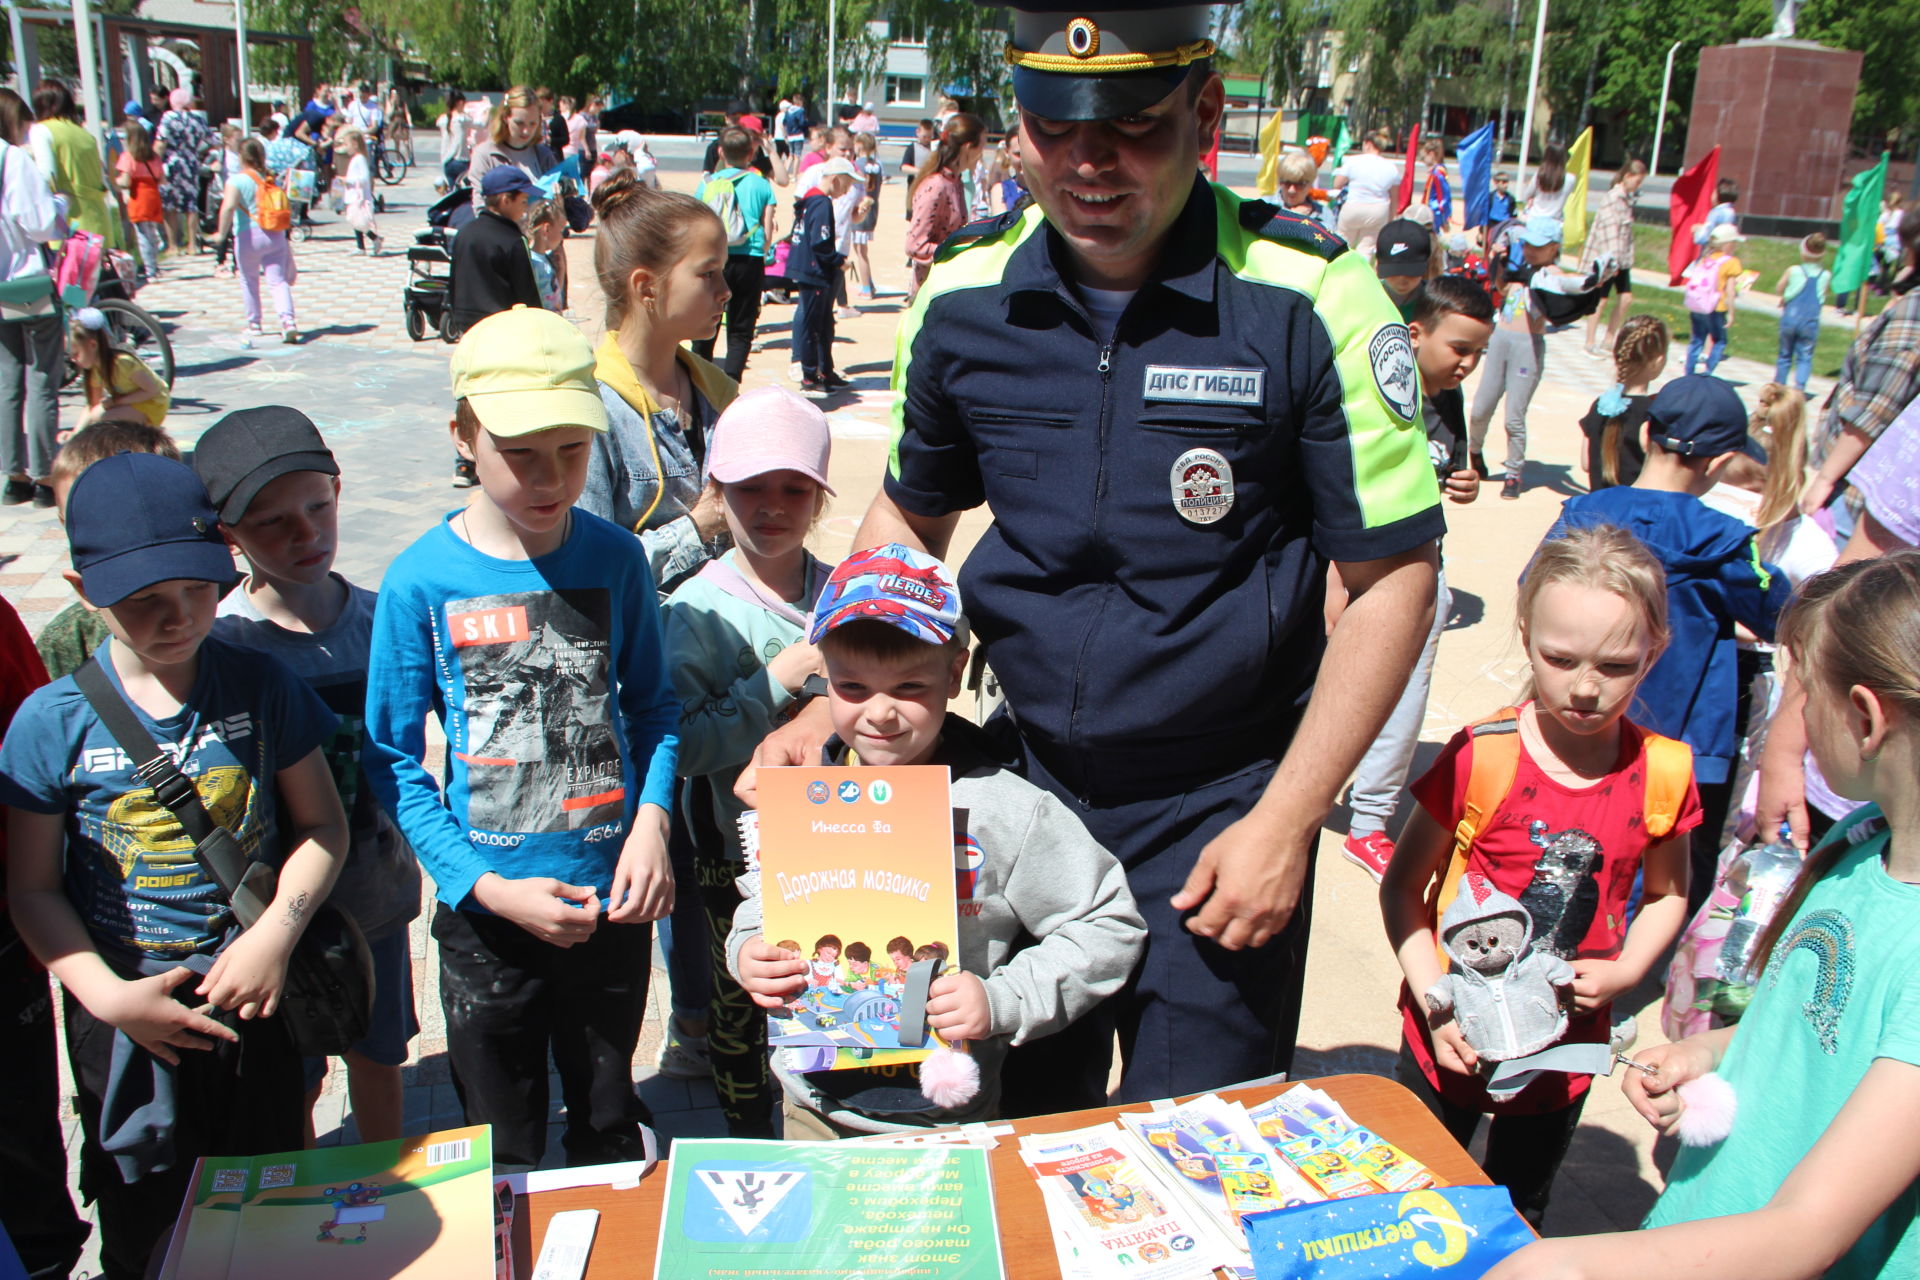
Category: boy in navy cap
[174,1049]
[1715,580]
[491,270]
[277,488]
[894,641]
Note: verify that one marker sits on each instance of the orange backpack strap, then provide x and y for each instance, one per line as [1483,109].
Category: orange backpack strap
[1669,770]
[1496,760]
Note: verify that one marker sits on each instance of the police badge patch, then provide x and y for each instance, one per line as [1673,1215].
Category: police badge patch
[1202,486]
[1394,370]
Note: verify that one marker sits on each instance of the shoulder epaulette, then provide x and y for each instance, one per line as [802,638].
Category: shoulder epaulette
[980,229]
[1271,222]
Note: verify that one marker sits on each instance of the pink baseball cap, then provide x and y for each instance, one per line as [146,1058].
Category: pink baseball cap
[770,429]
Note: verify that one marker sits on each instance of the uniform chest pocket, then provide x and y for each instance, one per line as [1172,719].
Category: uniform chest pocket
[1012,440]
[1219,422]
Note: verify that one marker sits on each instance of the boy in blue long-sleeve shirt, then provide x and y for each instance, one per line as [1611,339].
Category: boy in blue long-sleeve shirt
[532,630]
[1715,582]
[814,266]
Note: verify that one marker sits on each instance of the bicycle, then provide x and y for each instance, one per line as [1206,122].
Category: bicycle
[388,164]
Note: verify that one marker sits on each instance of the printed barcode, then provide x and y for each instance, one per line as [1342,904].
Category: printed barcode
[439,1153]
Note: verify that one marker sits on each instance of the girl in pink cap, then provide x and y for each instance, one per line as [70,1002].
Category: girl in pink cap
[737,653]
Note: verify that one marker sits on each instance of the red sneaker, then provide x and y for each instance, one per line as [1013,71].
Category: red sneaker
[1370,853]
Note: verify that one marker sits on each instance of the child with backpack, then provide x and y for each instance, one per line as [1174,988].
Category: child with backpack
[170,1008]
[1712,283]
[1531,826]
[259,214]
[742,199]
[1821,1075]
[1803,289]
[738,656]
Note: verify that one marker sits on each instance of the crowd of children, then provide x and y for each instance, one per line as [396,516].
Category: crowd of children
[626,605]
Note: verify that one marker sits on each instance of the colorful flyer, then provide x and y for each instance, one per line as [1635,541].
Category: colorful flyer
[420,1207]
[1317,1135]
[827,1211]
[1112,1216]
[1210,1150]
[858,872]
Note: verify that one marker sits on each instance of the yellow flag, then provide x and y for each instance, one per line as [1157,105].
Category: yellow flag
[1268,180]
[1579,161]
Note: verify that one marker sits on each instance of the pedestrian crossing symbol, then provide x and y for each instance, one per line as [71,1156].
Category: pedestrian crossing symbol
[759,1203]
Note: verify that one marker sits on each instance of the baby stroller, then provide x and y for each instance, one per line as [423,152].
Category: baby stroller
[430,266]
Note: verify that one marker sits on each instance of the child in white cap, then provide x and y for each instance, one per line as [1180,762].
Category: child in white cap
[740,663]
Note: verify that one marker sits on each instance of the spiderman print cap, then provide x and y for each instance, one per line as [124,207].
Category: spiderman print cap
[893,584]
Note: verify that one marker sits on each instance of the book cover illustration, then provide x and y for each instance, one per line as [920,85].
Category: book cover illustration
[815,1211]
[420,1207]
[1314,1133]
[538,737]
[1111,1215]
[858,874]
[1210,1150]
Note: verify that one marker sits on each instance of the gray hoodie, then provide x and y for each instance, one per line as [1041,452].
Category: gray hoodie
[1051,930]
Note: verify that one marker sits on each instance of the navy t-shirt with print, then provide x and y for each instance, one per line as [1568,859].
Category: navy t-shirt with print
[130,872]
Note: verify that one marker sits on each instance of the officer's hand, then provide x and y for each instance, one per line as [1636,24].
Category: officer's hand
[1246,884]
[798,741]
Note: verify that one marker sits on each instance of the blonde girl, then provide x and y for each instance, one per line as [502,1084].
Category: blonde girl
[1593,619]
[515,133]
[737,653]
[1616,425]
[119,386]
[1817,1175]
[660,257]
[356,190]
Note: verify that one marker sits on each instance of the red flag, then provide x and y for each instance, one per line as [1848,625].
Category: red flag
[1687,208]
[1406,179]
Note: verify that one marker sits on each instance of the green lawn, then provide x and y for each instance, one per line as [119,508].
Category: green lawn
[1753,335]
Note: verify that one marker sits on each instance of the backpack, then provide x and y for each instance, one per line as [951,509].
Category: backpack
[718,195]
[1496,760]
[1702,296]
[271,209]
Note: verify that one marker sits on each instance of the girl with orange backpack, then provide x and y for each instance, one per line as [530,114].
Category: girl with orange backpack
[1548,810]
[256,208]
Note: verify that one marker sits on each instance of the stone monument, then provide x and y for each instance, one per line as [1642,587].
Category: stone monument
[1781,111]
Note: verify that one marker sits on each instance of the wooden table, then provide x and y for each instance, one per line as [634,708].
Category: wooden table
[630,1220]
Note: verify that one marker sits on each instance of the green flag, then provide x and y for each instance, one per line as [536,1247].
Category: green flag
[1858,218]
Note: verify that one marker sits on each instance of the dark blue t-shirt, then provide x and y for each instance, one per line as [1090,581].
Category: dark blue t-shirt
[130,872]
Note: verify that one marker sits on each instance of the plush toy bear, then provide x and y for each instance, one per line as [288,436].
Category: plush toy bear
[1504,994]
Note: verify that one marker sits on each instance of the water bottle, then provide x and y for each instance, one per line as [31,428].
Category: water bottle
[1760,877]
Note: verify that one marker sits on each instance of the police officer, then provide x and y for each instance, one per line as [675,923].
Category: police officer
[1179,407]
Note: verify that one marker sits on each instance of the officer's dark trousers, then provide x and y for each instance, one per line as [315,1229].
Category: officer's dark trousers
[509,998]
[746,275]
[35,1207]
[813,331]
[1195,1016]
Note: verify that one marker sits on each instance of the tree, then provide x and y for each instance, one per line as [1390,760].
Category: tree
[1402,45]
[1269,40]
[966,44]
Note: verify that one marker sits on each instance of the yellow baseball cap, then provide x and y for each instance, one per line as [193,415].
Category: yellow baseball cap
[527,370]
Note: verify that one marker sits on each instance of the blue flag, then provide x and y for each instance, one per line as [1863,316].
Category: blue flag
[1476,173]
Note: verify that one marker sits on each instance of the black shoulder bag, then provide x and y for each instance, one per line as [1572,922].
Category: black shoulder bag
[327,1000]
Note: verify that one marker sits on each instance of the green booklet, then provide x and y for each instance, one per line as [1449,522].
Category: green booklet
[828,1210]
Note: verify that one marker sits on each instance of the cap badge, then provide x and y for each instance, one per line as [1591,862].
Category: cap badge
[1202,486]
[1083,38]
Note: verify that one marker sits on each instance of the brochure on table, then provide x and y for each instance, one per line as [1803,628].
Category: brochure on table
[852,863]
[822,1211]
[419,1208]
[1165,1194]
